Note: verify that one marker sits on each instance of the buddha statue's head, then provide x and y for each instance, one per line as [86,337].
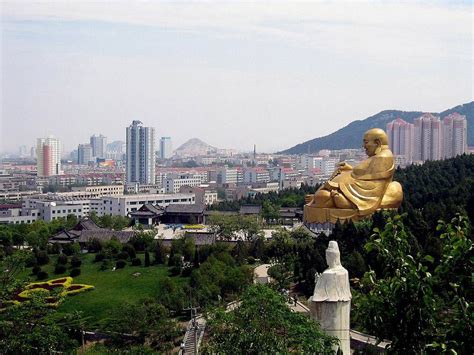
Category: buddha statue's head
[374,140]
[333,256]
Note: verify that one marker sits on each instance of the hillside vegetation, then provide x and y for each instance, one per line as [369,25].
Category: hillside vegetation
[351,135]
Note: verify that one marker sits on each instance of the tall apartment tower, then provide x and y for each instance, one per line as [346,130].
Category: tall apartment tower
[99,146]
[454,135]
[48,155]
[140,154]
[84,154]
[401,136]
[428,138]
[166,148]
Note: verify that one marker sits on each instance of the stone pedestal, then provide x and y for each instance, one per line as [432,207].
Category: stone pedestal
[334,318]
[330,304]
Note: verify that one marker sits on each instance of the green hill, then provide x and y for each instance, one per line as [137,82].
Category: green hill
[351,135]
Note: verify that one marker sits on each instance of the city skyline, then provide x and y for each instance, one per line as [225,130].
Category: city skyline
[210,70]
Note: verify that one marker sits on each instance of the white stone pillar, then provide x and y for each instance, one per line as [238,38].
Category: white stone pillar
[330,304]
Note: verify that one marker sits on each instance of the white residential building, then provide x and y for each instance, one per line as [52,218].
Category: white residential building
[173,183]
[122,205]
[140,154]
[166,148]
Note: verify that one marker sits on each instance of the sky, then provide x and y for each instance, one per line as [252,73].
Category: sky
[234,74]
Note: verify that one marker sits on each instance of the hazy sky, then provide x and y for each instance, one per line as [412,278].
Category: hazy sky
[232,74]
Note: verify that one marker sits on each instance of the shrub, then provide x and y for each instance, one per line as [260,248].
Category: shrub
[53,249]
[122,255]
[72,248]
[105,265]
[147,258]
[75,262]
[62,259]
[99,257]
[41,275]
[136,262]
[42,257]
[120,264]
[185,272]
[130,250]
[60,269]
[95,245]
[30,260]
[75,272]
[251,260]
[36,269]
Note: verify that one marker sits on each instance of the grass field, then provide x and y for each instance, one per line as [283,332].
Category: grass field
[112,288]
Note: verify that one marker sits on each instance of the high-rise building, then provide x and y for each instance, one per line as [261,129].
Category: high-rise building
[99,146]
[454,135]
[84,154]
[48,154]
[166,148]
[428,138]
[401,139]
[140,154]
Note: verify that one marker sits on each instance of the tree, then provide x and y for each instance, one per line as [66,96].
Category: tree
[263,324]
[401,305]
[148,321]
[11,266]
[29,328]
[147,259]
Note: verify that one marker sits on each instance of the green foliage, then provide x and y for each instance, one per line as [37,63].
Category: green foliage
[401,306]
[454,276]
[219,276]
[59,269]
[120,264]
[95,245]
[10,268]
[263,324]
[148,321]
[41,275]
[270,212]
[62,259]
[142,240]
[75,272]
[136,262]
[29,328]
[130,250]
[71,249]
[418,302]
[76,261]
[113,222]
[293,197]
[172,295]
[281,276]
[227,226]
[42,257]
[147,259]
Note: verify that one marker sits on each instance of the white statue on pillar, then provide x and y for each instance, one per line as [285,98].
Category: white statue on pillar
[331,301]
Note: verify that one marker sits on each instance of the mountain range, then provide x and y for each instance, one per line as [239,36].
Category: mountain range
[194,147]
[351,135]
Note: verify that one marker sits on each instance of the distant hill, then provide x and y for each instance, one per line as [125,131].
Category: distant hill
[351,135]
[194,147]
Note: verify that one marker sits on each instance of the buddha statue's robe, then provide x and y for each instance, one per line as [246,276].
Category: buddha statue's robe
[368,186]
[367,183]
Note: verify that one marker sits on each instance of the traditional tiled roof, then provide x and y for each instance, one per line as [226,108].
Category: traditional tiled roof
[86,224]
[183,208]
[250,209]
[105,235]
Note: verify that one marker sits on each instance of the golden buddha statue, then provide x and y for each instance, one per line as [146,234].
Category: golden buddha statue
[355,193]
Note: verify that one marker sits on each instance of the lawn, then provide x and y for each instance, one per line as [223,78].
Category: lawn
[112,288]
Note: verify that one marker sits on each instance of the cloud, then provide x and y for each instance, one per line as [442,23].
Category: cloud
[371,29]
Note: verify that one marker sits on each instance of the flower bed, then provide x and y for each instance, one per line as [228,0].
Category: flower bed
[64,283]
